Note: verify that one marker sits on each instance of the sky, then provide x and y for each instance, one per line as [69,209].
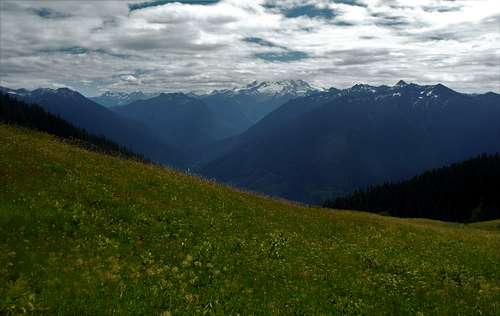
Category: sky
[160,45]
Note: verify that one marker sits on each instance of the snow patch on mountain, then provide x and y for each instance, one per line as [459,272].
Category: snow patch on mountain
[111,98]
[278,88]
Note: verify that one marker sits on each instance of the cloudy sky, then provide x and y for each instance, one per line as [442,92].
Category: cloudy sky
[161,45]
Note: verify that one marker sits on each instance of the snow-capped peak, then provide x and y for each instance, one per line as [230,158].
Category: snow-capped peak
[61,92]
[122,95]
[116,98]
[277,88]
[114,94]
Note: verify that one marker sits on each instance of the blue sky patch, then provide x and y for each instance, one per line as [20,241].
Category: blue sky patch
[155,3]
[47,13]
[351,2]
[282,56]
[260,41]
[310,11]
[76,50]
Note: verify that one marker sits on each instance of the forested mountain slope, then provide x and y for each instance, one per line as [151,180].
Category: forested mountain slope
[462,192]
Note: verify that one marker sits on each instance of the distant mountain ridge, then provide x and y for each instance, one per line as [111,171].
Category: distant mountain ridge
[272,88]
[263,88]
[291,140]
[96,119]
[190,122]
[329,143]
[236,109]
[243,107]
[111,99]
[178,119]
[14,111]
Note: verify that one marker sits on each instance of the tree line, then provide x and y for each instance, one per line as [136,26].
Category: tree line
[16,112]
[468,191]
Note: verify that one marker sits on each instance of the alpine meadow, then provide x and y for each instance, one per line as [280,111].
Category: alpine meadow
[267,157]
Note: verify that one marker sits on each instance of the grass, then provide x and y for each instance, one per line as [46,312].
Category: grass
[490,225]
[86,234]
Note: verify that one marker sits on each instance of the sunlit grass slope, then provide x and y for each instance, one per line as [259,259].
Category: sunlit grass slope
[86,234]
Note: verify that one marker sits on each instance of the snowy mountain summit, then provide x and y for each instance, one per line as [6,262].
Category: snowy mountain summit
[278,88]
[111,99]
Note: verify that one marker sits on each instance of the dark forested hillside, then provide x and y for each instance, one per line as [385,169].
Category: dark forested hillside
[463,192]
[78,110]
[19,113]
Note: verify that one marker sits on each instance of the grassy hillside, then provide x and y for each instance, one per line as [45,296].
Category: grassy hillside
[87,234]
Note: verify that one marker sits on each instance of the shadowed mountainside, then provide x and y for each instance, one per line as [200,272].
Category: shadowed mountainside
[330,143]
[463,192]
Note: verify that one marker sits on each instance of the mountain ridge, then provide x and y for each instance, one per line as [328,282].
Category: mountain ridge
[111,99]
[181,120]
[340,140]
[99,120]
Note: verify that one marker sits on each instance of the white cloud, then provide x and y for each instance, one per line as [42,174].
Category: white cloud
[102,45]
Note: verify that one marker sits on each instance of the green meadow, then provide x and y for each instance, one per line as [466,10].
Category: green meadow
[83,233]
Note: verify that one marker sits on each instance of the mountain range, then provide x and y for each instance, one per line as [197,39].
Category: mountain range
[329,143]
[96,119]
[235,109]
[32,116]
[185,122]
[111,99]
[289,139]
[242,107]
